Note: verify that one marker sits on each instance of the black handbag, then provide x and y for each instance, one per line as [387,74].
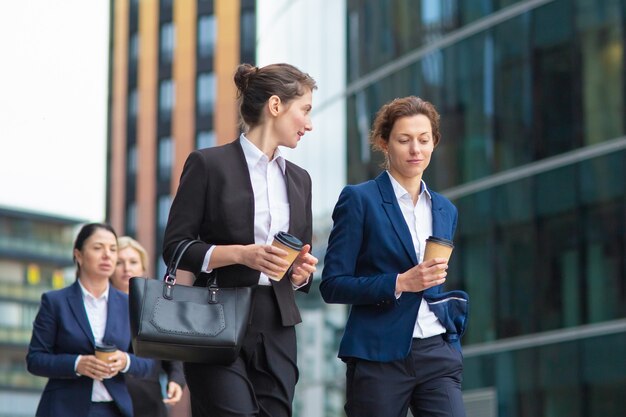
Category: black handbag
[191,324]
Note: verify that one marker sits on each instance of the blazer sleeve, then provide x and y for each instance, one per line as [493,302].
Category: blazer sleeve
[41,359]
[340,282]
[141,367]
[186,214]
[174,372]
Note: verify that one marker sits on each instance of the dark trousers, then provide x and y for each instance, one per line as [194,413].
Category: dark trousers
[261,382]
[428,381]
[104,409]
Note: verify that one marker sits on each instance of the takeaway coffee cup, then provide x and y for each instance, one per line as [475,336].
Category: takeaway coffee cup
[289,243]
[103,352]
[437,247]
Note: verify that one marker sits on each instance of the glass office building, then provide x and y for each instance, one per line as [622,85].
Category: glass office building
[35,257]
[532,101]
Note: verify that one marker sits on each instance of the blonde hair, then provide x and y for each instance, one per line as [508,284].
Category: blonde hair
[124,242]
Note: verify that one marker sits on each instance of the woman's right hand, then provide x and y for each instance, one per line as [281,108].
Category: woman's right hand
[92,367]
[265,258]
[423,276]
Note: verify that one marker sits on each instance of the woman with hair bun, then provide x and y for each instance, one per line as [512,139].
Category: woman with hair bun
[235,198]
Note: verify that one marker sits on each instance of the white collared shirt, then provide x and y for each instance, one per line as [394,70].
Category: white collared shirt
[271,205]
[96,309]
[419,219]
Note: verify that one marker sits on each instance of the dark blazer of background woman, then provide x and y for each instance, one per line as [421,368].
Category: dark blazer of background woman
[147,393]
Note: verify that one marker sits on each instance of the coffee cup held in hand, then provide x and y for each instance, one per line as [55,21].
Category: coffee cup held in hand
[103,352]
[289,243]
[437,247]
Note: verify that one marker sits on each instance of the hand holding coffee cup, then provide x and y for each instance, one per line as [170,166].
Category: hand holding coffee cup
[290,244]
[109,354]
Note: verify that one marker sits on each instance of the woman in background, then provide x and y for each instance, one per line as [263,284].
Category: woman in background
[70,323]
[146,393]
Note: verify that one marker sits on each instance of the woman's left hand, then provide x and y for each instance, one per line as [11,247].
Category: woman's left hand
[117,362]
[174,393]
[303,266]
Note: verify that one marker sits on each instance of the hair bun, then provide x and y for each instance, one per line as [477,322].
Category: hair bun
[242,76]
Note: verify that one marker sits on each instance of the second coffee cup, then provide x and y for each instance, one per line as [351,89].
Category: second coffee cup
[437,247]
[289,243]
[103,352]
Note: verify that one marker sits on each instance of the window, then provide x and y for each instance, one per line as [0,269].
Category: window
[133,48]
[205,139]
[163,208]
[206,93]
[166,156]
[166,99]
[131,161]
[133,104]
[168,42]
[131,218]
[207,32]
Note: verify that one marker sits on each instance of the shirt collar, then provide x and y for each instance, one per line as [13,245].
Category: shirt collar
[254,155]
[400,192]
[87,294]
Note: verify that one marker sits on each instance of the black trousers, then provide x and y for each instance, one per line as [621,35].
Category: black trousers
[104,409]
[428,381]
[261,382]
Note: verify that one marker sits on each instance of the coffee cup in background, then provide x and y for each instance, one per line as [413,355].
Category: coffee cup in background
[289,243]
[104,351]
[437,247]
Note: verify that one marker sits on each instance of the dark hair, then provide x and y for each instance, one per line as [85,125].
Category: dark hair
[85,233]
[390,112]
[256,85]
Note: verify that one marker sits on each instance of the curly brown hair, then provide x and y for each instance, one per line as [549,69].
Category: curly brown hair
[390,112]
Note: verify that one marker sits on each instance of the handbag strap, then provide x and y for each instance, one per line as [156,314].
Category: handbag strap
[172,267]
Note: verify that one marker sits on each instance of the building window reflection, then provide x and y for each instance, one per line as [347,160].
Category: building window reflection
[166,99]
[205,139]
[205,93]
[207,33]
[167,42]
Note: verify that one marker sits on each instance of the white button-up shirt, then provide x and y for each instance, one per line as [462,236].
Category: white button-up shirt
[96,309]
[271,205]
[419,219]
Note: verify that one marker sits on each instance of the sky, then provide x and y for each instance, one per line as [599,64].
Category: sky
[53,106]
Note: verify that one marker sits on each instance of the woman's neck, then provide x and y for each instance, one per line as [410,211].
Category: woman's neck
[261,138]
[96,287]
[412,185]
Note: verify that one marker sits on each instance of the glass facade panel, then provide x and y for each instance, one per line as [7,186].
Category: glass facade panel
[205,93]
[166,158]
[205,139]
[574,379]
[168,42]
[207,33]
[166,99]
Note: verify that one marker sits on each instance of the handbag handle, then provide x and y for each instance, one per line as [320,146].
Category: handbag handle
[172,267]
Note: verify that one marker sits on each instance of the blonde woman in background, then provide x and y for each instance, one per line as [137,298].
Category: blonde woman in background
[146,394]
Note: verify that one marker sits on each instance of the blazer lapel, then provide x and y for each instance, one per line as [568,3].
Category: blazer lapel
[296,198]
[113,308]
[441,218]
[75,300]
[391,207]
[244,184]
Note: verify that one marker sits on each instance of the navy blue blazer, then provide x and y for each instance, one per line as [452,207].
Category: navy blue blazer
[61,332]
[369,245]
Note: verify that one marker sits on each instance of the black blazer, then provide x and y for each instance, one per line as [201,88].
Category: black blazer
[215,204]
